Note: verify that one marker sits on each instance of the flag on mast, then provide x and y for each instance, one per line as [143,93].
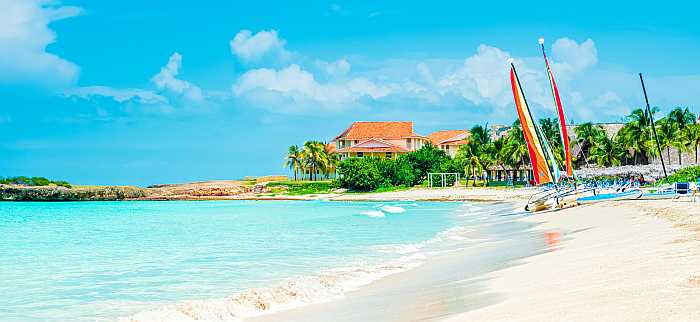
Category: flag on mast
[530,131]
[568,164]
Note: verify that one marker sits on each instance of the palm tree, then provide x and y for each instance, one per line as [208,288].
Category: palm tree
[294,159]
[693,137]
[470,153]
[516,147]
[668,134]
[636,135]
[682,118]
[550,130]
[330,160]
[586,135]
[313,157]
[607,151]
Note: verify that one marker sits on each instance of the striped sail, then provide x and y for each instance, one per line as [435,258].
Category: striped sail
[530,131]
[568,164]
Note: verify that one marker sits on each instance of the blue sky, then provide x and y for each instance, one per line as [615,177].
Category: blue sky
[144,92]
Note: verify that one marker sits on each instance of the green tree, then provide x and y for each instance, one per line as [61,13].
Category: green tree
[294,159]
[682,118]
[693,136]
[586,136]
[313,157]
[607,151]
[668,134]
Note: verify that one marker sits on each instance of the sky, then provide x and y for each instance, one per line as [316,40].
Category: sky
[144,92]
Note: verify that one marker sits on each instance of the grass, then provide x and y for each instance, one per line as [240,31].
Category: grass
[296,188]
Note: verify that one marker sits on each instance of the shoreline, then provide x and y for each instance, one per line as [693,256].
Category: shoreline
[629,261]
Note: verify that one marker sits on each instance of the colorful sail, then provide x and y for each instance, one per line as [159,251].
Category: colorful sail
[568,164]
[549,154]
[530,131]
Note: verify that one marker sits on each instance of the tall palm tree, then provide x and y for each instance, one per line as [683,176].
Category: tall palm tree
[516,147]
[586,135]
[693,137]
[330,160]
[471,154]
[668,133]
[550,130]
[682,118]
[294,160]
[313,157]
[636,135]
[607,151]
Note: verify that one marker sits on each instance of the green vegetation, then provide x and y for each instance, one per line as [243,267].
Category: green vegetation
[302,187]
[315,158]
[689,174]
[632,145]
[33,181]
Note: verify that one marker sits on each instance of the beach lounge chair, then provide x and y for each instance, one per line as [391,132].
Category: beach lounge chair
[683,190]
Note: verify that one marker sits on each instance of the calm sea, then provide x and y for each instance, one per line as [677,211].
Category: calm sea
[216,260]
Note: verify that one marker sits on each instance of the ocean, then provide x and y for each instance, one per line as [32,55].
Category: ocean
[219,260]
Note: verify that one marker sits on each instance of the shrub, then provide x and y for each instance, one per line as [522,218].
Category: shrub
[689,174]
[361,174]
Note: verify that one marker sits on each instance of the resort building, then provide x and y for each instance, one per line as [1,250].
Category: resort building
[449,140]
[378,139]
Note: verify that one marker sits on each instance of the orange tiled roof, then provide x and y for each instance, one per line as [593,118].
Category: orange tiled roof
[449,136]
[384,130]
[374,145]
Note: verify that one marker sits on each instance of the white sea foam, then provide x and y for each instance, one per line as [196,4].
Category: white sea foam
[393,209]
[295,292]
[373,213]
[304,290]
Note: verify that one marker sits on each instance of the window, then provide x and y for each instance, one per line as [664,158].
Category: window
[447,148]
[388,155]
[360,154]
[408,143]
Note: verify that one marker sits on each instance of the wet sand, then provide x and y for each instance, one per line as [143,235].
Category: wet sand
[624,261]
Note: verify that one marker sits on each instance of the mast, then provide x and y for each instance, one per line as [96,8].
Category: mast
[568,163]
[653,127]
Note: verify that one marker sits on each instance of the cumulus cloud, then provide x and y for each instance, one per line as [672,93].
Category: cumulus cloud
[24,36]
[253,48]
[572,57]
[167,79]
[118,95]
[335,68]
[300,85]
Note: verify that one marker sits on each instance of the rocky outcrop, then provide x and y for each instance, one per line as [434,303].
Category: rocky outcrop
[54,193]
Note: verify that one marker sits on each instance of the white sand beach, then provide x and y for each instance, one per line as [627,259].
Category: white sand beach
[623,261]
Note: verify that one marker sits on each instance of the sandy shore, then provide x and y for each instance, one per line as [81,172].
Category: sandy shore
[624,261]
[423,194]
[618,262]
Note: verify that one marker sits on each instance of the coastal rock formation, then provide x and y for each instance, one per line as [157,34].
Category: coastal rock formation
[55,193]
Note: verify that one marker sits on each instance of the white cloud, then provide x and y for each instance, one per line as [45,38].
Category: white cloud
[482,79]
[336,68]
[300,85]
[572,57]
[24,36]
[118,95]
[167,79]
[252,48]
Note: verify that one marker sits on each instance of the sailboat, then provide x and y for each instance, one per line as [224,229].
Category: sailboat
[537,147]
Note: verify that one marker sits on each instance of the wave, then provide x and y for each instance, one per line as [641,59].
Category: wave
[331,284]
[393,209]
[373,213]
[304,290]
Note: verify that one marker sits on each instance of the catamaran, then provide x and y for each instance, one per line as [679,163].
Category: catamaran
[544,164]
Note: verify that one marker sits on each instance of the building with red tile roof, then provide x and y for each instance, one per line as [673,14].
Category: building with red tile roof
[449,140]
[379,139]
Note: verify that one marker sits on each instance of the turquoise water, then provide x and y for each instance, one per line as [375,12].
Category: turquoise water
[97,261]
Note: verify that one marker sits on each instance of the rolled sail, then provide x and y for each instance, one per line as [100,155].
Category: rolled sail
[534,146]
[568,164]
